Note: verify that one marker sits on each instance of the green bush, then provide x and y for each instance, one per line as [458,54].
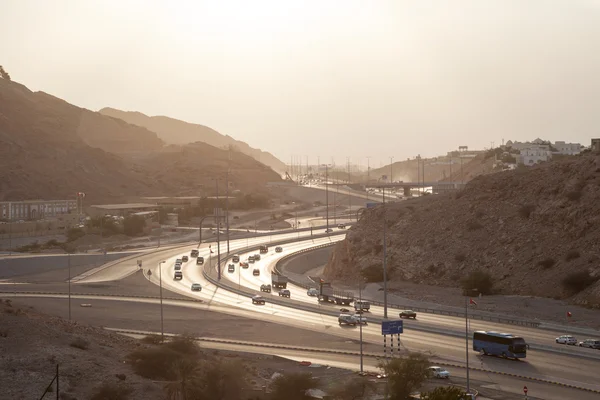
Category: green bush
[577,281]
[477,282]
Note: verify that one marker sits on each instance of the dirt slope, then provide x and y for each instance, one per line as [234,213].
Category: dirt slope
[51,149]
[174,131]
[530,229]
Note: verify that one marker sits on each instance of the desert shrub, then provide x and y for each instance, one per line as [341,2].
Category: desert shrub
[80,343]
[111,391]
[293,386]
[473,226]
[460,257]
[577,281]
[479,214]
[74,234]
[3,333]
[431,268]
[547,263]
[574,195]
[479,281]
[154,363]
[373,273]
[526,210]
[572,255]
[184,344]
[151,339]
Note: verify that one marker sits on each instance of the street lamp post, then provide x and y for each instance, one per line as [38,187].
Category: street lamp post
[327,197]
[162,330]
[385,313]
[360,283]
[69,267]
[467,338]
[391,170]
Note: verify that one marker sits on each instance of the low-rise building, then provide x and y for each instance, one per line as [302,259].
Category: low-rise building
[595,146]
[535,154]
[569,149]
[36,209]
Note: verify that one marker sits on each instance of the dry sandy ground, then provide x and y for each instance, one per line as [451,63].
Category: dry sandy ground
[33,342]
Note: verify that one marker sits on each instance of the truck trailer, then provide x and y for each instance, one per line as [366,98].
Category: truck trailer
[328,294]
[279,281]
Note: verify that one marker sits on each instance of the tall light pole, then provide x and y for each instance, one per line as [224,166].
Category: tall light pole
[385,313]
[391,170]
[69,267]
[368,176]
[162,326]
[349,197]
[218,233]
[467,338]
[360,283]
[227,198]
[327,197]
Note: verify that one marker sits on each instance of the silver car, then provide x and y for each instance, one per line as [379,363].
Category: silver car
[566,339]
[590,343]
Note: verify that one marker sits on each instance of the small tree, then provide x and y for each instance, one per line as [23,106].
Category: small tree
[406,374]
[293,386]
[478,280]
[353,389]
[445,393]
[133,225]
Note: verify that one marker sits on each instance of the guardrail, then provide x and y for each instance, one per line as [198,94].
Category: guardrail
[440,311]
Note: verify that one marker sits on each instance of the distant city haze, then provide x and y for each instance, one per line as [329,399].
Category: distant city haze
[323,78]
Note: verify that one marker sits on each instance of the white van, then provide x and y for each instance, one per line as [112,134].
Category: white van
[362,305]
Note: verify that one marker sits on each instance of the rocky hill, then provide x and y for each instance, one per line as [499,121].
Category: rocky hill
[174,131]
[534,231]
[52,149]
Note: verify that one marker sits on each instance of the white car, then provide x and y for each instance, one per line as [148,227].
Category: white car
[439,372]
[566,339]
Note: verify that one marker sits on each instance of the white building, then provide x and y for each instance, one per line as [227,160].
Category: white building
[535,154]
[36,209]
[567,148]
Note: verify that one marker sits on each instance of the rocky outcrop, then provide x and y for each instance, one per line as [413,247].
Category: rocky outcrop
[535,230]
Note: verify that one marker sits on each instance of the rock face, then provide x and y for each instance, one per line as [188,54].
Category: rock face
[50,149]
[536,231]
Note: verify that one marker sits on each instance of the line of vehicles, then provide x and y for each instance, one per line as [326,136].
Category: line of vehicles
[504,345]
[571,340]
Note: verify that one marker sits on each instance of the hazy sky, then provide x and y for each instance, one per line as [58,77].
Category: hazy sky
[325,77]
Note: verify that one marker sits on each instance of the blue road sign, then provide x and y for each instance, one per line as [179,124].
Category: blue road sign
[372,205]
[392,327]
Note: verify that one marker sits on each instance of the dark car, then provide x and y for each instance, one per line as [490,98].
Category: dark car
[185,259]
[258,299]
[284,293]
[231,268]
[408,314]
[200,260]
[265,288]
[256,272]
[194,253]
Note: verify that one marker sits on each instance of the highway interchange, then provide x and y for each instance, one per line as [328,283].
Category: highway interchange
[441,336]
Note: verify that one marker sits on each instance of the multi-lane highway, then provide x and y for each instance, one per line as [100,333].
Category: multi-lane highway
[438,335]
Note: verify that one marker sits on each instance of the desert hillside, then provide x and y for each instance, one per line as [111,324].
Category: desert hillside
[174,131]
[51,149]
[535,231]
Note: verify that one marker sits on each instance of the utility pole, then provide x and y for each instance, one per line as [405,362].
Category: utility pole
[69,267]
[227,198]
[360,282]
[368,176]
[218,233]
[467,341]
[162,326]
[391,170]
[349,196]
[418,158]
[385,314]
[326,197]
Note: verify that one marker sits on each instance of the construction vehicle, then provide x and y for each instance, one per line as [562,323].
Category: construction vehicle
[279,281]
[328,294]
